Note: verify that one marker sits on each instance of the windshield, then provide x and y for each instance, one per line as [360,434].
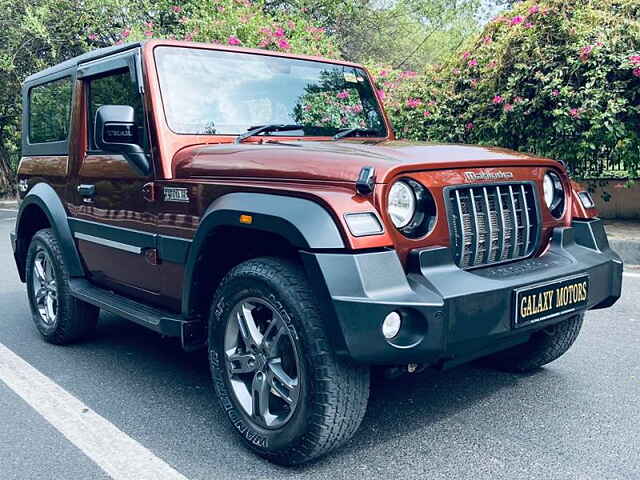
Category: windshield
[209,92]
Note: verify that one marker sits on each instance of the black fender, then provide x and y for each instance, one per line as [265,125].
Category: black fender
[304,223]
[46,199]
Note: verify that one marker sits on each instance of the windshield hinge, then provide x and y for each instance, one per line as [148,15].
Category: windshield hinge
[366,180]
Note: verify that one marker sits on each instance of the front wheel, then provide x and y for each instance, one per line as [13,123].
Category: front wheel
[275,373]
[543,347]
[59,317]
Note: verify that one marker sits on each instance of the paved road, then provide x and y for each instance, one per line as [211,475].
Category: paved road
[579,418]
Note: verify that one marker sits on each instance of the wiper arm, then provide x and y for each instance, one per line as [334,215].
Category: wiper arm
[272,127]
[349,131]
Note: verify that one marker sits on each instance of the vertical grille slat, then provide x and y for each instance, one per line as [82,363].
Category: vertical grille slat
[492,223]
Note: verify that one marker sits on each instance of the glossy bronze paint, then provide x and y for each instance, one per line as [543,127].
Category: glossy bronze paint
[44,166]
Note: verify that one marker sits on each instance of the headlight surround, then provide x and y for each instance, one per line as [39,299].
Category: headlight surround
[412,208]
[554,194]
[401,204]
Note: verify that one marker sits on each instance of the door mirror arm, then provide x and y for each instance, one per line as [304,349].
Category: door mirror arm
[115,132]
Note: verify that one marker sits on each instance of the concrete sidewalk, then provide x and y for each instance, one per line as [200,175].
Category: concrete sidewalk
[624,238]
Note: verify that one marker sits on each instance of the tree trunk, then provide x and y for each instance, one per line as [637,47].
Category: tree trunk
[7,175]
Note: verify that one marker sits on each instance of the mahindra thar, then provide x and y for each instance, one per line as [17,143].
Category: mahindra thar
[258,205]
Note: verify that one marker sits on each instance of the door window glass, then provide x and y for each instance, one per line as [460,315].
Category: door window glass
[116,89]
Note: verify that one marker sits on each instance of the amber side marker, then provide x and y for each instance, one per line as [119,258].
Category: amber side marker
[246,219]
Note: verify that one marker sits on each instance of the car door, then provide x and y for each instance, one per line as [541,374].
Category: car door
[113,216]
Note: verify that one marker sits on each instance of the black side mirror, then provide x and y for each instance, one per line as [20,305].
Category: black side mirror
[116,132]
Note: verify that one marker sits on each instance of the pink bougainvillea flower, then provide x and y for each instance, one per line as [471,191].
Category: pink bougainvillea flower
[585,52]
[575,112]
[456,71]
[265,31]
[291,24]
[533,10]
[413,102]
[426,114]
[473,62]
[176,8]
[233,40]
[518,99]
[555,92]
[507,107]
[517,20]
[284,44]
[636,72]
[92,36]
[263,43]
[497,100]
[466,55]
[408,74]
[188,37]
[487,40]
[635,59]
[383,73]
[125,33]
[528,25]
[306,108]
[279,32]
[220,8]
[492,64]
[356,108]
[381,94]
[183,20]
[343,94]
[469,126]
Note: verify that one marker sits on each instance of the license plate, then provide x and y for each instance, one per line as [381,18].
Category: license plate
[535,303]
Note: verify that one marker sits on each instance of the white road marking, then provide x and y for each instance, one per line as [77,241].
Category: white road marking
[120,456]
[631,274]
[8,210]
[8,219]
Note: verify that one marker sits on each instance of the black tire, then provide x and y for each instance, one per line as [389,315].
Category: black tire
[333,392]
[543,347]
[73,319]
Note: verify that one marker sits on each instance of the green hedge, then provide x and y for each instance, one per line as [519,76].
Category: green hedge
[556,78]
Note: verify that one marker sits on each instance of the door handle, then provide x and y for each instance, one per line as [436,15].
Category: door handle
[86,190]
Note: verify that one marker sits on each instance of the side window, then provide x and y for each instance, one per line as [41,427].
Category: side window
[116,89]
[50,111]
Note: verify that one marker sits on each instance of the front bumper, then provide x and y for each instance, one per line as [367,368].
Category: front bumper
[452,315]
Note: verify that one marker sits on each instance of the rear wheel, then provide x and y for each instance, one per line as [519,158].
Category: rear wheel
[275,374]
[59,317]
[543,347]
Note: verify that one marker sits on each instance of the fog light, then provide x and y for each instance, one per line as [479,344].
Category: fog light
[391,325]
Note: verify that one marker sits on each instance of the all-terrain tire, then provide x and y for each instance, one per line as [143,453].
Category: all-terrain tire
[334,391]
[543,347]
[74,319]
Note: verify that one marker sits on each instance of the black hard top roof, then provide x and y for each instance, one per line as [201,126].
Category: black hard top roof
[85,57]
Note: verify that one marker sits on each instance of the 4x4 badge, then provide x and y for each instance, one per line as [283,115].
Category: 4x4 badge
[175,194]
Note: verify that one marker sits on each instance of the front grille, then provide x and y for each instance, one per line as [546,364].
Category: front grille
[493,223]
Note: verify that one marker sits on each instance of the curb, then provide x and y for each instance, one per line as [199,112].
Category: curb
[629,250]
[8,204]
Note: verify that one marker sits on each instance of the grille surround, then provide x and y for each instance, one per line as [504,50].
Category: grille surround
[506,234]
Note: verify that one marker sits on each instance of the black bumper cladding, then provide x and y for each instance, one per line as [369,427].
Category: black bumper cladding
[451,315]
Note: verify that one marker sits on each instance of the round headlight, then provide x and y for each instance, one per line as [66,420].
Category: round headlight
[549,191]
[553,194]
[402,204]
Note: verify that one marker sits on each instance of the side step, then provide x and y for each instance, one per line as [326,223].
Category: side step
[192,333]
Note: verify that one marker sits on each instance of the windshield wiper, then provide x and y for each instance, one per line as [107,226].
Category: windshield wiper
[272,127]
[349,131]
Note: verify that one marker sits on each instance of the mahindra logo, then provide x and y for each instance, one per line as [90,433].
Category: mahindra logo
[483,176]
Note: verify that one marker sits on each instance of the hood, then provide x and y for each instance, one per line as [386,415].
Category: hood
[338,161]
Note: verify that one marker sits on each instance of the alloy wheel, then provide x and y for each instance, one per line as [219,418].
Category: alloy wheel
[45,290]
[262,363]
